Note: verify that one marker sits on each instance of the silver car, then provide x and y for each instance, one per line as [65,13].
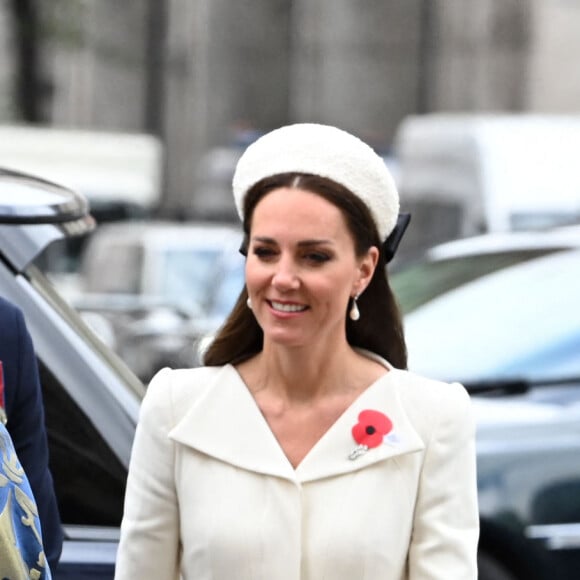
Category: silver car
[500,314]
[91,398]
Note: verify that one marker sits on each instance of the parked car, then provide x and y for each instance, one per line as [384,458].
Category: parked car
[500,314]
[91,398]
[166,285]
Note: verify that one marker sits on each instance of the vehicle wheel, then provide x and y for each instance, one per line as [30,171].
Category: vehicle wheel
[490,569]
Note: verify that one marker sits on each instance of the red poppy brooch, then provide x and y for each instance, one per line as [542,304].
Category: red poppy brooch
[370,431]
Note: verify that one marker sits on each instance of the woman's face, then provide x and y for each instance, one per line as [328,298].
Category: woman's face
[302,269]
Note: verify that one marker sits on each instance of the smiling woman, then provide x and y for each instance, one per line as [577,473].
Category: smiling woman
[302,269]
[316,412]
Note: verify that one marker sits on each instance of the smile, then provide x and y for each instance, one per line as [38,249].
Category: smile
[280,307]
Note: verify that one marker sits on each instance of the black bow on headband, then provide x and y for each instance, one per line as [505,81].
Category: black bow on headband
[390,245]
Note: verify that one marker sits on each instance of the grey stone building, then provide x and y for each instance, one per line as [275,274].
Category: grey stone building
[203,74]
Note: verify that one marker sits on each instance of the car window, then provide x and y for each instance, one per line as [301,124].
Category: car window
[419,283]
[188,276]
[48,292]
[192,278]
[89,479]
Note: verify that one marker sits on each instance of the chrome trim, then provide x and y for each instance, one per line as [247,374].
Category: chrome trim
[556,536]
[94,533]
[88,553]
[89,545]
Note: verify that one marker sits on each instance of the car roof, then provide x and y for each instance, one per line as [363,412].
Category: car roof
[557,238]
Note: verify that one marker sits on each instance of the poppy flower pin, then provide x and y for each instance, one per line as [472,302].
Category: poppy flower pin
[370,431]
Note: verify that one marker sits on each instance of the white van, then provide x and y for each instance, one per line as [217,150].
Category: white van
[465,174]
[109,169]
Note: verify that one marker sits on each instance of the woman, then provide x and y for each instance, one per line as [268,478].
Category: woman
[301,451]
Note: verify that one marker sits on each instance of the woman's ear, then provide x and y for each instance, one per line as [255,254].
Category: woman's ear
[367,265]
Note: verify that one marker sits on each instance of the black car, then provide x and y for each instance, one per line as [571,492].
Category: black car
[91,398]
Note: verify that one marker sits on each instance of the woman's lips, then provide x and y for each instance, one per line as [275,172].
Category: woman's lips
[287,307]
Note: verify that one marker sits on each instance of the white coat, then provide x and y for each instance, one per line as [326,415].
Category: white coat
[211,495]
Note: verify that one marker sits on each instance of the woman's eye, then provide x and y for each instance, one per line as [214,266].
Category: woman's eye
[262,252]
[317,257]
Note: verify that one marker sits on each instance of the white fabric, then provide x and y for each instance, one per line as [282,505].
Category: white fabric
[211,495]
[325,151]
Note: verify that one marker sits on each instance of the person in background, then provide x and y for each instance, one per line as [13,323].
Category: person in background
[21,552]
[303,449]
[22,410]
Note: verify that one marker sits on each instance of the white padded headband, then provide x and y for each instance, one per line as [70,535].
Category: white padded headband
[325,151]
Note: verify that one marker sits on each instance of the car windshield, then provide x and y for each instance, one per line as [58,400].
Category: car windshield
[201,280]
[518,322]
[419,283]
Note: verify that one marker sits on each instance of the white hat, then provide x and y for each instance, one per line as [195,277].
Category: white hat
[325,151]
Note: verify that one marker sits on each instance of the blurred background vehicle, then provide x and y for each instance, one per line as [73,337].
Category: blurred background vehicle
[91,397]
[466,174]
[157,287]
[119,173]
[500,314]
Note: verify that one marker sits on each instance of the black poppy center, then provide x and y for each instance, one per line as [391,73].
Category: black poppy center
[370,430]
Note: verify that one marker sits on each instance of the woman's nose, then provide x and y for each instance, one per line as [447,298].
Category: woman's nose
[285,276]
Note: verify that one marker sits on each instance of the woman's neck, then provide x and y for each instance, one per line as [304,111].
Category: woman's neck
[308,374]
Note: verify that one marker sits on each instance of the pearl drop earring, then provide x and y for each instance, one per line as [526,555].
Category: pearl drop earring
[249,303]
[354,312]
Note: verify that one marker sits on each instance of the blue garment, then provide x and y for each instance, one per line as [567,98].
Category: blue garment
[25,411]
[21,552]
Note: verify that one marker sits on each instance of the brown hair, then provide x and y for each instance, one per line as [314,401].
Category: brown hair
[379,329]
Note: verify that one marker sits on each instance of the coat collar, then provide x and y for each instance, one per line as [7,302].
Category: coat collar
[226,423]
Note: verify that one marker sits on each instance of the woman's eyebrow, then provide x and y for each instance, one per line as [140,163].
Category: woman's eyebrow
[321,242]
[301,243]
[263,239]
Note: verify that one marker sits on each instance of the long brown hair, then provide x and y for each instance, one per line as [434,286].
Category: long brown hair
[379,329]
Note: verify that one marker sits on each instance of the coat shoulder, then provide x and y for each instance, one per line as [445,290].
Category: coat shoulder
[429,401]
[180,389]
[428,390]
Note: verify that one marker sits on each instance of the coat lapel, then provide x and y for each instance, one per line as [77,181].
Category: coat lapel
[330,456]
[225,423]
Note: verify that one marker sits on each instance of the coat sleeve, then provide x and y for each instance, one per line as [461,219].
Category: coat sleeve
[149,546]
[26,426]
[446,521]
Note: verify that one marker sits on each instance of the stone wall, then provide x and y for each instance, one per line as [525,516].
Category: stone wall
[233,68]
